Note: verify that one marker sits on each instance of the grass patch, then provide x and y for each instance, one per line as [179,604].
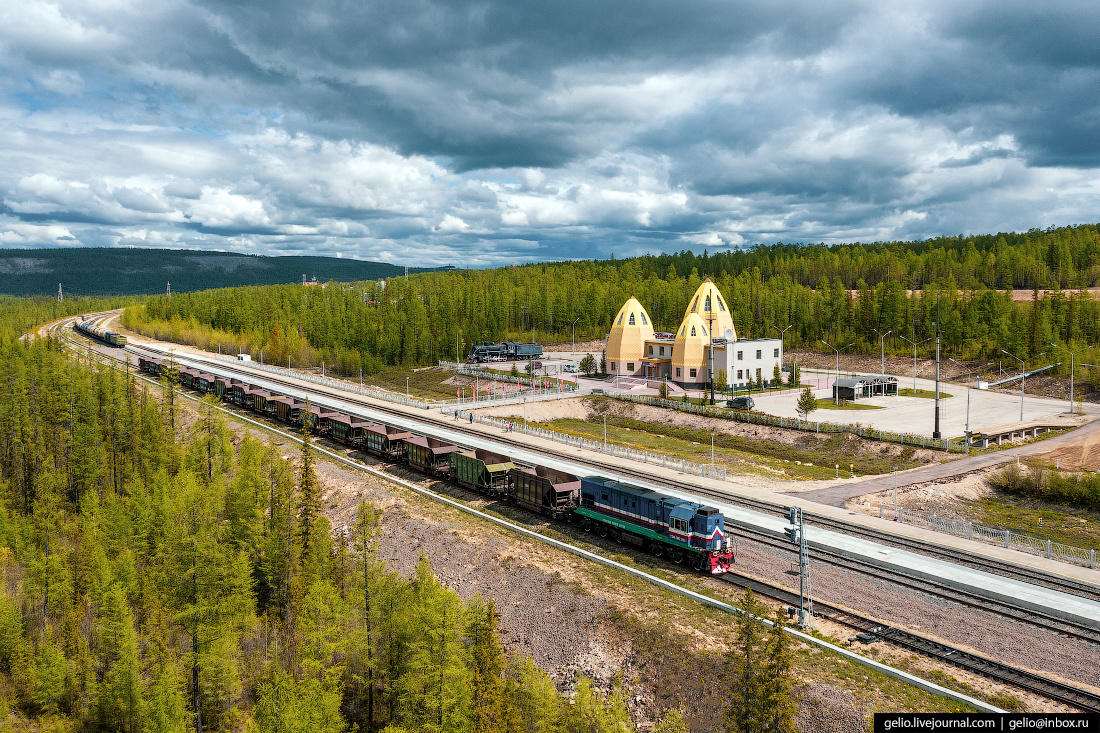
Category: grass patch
[830,405]
[742,453]
[927,394]
[423,383]
[1049,522]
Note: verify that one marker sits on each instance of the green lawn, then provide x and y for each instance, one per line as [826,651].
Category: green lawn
[827,404]
[927,394]
[1069,526]
[737,452]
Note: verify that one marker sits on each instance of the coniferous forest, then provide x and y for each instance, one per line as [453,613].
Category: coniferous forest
[161,575]
[840,294]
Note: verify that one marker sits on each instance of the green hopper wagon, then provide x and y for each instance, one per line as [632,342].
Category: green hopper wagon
[482,470]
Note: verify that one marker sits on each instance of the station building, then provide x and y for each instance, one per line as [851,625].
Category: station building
[634,349]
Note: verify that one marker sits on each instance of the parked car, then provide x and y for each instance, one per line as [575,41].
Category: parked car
[741,403]
[571,368]
[538,365]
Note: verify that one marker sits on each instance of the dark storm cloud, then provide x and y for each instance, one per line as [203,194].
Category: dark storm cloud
[482,133]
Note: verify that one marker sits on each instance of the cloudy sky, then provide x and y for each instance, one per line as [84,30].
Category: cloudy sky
[480,133]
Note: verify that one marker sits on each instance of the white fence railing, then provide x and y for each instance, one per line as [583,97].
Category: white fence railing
[955,446]
[655,459]
[334,383]
[1003,537]
[470,370]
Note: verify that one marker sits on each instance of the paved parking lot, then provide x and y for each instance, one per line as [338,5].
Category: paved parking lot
[915,414]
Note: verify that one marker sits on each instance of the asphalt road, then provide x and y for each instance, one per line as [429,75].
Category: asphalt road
[838,495]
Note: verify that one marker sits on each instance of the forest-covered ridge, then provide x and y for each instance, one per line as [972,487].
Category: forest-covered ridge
[963,283]
[103,271]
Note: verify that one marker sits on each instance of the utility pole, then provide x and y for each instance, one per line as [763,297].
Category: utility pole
[60,295]
[936,429]
[168,289]
[796,533]
[574,336]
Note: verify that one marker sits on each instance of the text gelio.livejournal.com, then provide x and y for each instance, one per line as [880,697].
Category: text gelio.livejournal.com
[992,722]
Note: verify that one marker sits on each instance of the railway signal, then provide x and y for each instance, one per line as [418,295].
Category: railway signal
[796,533]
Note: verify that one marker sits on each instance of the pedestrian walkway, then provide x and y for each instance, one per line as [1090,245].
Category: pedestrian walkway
[839,494]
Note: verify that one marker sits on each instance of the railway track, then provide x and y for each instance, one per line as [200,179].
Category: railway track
[975,663]
[960,557]
[1023,679]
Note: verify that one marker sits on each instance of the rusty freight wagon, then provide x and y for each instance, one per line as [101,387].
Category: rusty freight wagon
[318,418]
[346,429]
[221,386]
[482,470]
[261,401]
[203,382]
[240,393]
[187,377]
[545,490]
[429,455]
[386,441]
[288,409]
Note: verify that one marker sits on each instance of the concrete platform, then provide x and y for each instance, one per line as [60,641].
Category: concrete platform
[556,456]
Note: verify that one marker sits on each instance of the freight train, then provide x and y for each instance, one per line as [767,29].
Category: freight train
[683,531]
[98,332]
[506,351]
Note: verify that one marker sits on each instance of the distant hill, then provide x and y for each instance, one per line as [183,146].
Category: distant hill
[119,271]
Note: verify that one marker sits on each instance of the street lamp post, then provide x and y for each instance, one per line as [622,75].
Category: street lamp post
[1072,369]
[914,344]
[895,492]
[1023,376]
[406,387]
[882,348]
[782,350]
[574,351]
[969,374]
[836,392]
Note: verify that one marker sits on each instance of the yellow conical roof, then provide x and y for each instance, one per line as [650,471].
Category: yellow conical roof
[630,330]
[689,349]
[709,305]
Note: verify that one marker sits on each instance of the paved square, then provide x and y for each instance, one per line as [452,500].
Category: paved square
[916,414]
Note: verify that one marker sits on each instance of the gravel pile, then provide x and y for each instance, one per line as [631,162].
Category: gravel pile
[829,709]
[544,618]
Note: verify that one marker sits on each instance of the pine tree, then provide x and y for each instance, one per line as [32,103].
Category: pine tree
[780,707]
[807,403]
[746,671]
[363,533]
[488,665]
[309,496]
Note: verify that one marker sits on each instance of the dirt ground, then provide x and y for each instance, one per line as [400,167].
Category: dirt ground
[1083,455]
[932,497]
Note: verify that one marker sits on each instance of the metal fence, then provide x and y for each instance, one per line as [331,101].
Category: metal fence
[479,371]
[576,441]
[954,446]
[1002,537]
